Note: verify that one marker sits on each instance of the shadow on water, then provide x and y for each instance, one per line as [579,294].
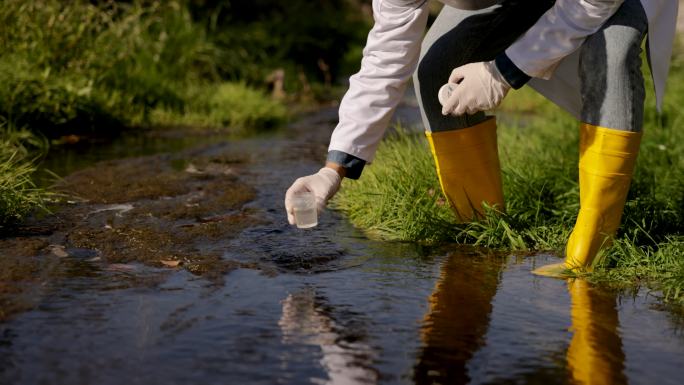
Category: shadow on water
[180,267]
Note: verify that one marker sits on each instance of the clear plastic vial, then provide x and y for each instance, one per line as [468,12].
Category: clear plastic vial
[445,92]
[305,214]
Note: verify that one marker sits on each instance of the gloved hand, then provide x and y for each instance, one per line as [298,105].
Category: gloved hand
[480,87]
[324,184]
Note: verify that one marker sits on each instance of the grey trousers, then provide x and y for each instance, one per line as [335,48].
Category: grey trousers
[611,82]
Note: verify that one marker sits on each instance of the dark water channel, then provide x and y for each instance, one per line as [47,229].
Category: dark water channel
[92,296]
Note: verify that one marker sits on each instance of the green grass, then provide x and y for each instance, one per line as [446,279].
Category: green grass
[75,66]
[225,104]
[18,194]
[401,200]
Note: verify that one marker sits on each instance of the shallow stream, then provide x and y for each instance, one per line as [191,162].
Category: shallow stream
[176,265]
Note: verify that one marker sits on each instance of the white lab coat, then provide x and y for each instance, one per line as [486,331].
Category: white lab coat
[393,46]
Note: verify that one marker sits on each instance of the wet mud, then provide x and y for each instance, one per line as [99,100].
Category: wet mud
[164,211]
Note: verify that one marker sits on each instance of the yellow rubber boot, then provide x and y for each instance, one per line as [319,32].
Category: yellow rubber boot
[467,162]
[607,160]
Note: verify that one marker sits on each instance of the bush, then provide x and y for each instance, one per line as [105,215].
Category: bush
[300,36]
[78,66]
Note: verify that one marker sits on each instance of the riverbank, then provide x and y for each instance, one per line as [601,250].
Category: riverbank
[399,200]
[77,70]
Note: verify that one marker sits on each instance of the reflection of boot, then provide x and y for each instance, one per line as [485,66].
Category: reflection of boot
[595,355]
[467,162]
[457,319]
[607,159]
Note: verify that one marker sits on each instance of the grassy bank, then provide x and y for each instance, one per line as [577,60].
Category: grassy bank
[401,200]
[18,194]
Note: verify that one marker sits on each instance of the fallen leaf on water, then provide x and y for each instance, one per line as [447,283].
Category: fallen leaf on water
[170,263]
[122,267]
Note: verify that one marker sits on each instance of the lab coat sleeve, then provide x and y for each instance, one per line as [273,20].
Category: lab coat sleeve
[389,59]
[558,33]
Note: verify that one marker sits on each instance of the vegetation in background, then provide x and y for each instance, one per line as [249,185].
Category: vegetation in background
[223,105]
[76,66]
[401,200]
[312,41]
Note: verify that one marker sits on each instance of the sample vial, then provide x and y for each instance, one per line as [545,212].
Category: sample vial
[445,92]
[305,213]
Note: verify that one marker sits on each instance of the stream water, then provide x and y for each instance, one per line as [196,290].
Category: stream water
[176,265]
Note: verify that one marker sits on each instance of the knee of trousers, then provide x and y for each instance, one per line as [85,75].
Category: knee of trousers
[616,49]
[612,85]
[434,69]
[432,73]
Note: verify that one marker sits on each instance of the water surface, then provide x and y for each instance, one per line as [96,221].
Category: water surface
[256,301]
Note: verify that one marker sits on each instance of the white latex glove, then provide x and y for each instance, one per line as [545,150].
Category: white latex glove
[323,184]
[474,87]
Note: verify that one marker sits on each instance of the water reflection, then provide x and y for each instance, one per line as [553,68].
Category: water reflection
[457,318]
[595,355]
[305,320]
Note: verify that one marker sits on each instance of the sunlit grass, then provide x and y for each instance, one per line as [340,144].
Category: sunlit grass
[225,105]
[74,66]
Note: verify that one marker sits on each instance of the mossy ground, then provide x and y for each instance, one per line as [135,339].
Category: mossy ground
[146,211]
